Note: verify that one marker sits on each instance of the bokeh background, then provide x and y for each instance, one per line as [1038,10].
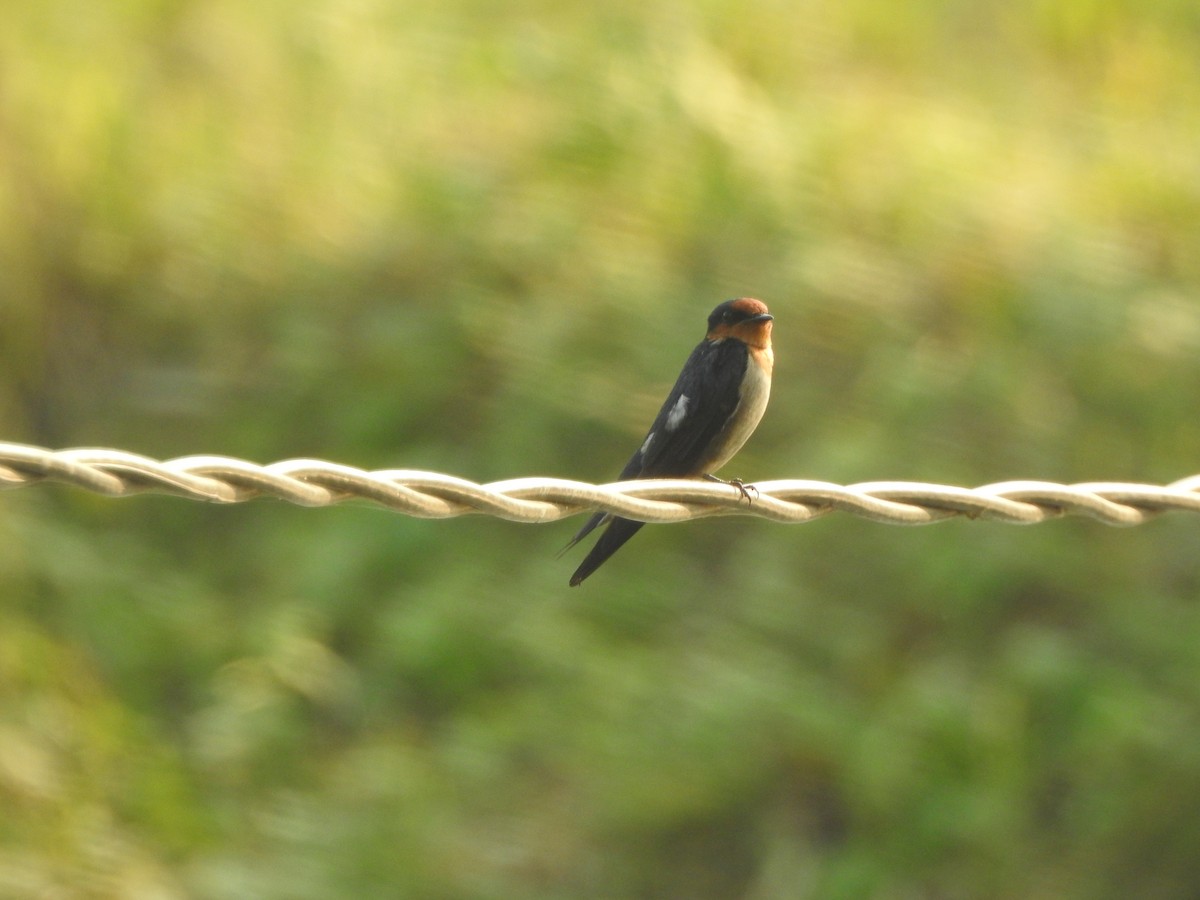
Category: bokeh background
[480,239]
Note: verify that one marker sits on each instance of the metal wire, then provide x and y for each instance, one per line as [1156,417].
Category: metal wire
[431,495]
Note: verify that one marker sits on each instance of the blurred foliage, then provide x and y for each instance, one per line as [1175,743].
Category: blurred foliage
[481,239]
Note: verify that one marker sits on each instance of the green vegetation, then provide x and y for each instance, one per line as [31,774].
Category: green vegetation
[481,239]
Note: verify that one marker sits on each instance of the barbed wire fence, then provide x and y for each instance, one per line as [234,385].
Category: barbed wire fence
[432,495]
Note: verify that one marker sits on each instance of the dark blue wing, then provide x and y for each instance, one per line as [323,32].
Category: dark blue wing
[680,438]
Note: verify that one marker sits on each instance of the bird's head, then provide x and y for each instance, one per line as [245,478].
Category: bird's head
[745,318]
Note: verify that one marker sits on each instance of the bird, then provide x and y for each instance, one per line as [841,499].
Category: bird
[714,407]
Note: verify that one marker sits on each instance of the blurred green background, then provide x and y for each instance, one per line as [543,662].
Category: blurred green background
[481,239]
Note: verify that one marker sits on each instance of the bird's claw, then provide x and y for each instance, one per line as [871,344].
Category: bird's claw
[745,489]
[742,488]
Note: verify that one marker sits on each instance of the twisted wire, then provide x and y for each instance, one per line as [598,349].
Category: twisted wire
[432,495]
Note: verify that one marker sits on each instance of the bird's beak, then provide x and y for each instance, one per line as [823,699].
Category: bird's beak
[761,317]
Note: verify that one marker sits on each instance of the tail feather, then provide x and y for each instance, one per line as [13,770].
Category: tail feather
[588,526]
[617,533]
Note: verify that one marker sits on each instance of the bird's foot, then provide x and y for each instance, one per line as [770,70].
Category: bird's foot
[742,488]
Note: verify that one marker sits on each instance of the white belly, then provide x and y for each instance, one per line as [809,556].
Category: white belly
[756,390]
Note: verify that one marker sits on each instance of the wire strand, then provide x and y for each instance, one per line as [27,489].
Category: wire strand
[432,495]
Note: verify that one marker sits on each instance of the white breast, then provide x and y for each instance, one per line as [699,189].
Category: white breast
[756,390]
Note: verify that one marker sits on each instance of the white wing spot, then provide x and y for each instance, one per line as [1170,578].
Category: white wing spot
[646,445]
[678,411]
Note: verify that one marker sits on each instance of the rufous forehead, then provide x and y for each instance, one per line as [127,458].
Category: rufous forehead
[749,306]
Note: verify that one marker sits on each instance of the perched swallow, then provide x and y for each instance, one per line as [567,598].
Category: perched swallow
[715,406]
